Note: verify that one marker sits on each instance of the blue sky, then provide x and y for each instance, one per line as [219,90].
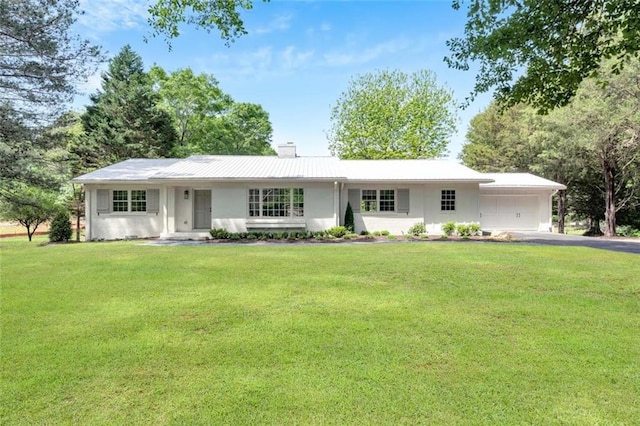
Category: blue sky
[298,56]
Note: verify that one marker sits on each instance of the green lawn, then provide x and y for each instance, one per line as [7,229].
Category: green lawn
[431,333]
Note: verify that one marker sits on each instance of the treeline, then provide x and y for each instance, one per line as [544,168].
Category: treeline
[134,114]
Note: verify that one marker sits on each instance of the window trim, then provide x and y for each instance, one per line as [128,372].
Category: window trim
[378,201]
[254,205]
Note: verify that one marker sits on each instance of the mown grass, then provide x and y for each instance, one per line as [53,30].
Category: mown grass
[430,333]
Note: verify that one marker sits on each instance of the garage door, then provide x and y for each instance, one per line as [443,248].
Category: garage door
[509,212]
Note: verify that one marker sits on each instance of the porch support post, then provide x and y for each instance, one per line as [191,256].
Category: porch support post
[336,204]
[170,209]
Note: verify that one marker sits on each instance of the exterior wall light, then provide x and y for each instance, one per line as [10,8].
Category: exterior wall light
[186,194]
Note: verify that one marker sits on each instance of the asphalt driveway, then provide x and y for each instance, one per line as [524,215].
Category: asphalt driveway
[613,244]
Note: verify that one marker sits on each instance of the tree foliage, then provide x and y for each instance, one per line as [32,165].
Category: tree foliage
[29,206]
[123,120]
[207,120]
[41,58]
[248,130]
[191,100]
[539,51]
[391,114]
[166,17]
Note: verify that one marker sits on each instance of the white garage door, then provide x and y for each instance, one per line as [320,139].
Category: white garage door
[509,212]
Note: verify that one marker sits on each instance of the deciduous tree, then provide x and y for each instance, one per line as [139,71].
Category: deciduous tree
[539,51]
[391,114]
[191,101]
[29,206]
[166,17]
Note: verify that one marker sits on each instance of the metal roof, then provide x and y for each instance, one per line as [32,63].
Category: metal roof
[410,170]
[246,168]
[229,167]
[135,169]
[520,180]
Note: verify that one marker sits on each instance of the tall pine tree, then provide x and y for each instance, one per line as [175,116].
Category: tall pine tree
[124,121]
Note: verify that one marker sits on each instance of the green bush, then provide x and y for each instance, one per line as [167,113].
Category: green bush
[376,233]
[448,228]
[627,231]
[337,231]
[417,229]
[424,236]
[219,234]
[60,228]
[474,228]
[364,232]
[463,230]
[348,218]
[384,233]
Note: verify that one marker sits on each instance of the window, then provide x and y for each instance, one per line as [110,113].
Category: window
[254,202]
[120,201]
[276,202]
[369,200]
[387,200]
[374,200]
[135,200]
[138,201]
[448,200]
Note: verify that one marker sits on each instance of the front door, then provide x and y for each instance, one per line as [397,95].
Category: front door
[202,209]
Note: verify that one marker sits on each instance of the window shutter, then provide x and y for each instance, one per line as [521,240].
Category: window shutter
[153,201]
[103,205]
[403,200]
[354,200]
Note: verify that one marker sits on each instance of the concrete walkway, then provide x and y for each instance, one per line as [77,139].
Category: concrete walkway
[614,244]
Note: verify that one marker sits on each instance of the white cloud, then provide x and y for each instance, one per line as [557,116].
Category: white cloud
[293,59]
[101,16]
[325,26]
[278,23]
[358,56]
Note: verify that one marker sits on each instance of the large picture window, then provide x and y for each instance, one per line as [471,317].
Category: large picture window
[448,200]
[276,202]
[378,200]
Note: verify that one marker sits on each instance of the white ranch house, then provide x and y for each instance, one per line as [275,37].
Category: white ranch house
[185,198]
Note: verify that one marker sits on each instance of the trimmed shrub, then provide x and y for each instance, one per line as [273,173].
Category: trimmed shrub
[448,228]
[337,231]
[364,232]
[474,228]
[463,230]
[384,233]
[348,218]
[60,228]
[219,234]
[418,229]
[376,233]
